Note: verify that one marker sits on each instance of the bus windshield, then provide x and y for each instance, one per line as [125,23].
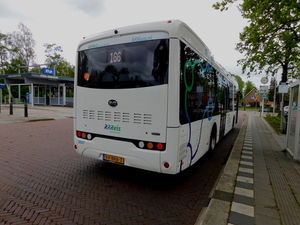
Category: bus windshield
[129,65]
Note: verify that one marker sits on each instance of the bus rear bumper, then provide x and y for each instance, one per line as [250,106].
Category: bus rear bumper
[125,153]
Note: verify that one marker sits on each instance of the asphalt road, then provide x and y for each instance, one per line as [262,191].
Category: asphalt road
[44,181]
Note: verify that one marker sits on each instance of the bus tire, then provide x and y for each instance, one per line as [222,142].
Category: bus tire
[213,139]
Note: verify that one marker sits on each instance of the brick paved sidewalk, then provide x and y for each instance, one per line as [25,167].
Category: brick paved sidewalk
[44,181]
[276,178]
[266,184]
[36,113]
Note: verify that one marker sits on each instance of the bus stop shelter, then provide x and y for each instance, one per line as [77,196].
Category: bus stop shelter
[43,89]
[293,126]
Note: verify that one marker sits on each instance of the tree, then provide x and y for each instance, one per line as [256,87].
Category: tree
[12,65]
[4,53]
[53,53]
[271,41]
[249,85]
[273,84]
[223,5]
[63,68]
[22,44]
[240,81]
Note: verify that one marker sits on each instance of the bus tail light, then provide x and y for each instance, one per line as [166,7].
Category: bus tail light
[150,145]
[81,134]
[84,135]
[75,147]
[159,146]
[141,144]
[156,146]
[166,165]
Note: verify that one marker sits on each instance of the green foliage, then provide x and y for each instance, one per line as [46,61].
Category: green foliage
[17,49]
[240,82]
[273,119]
[22,44]
[35,70]
[63,68]
[12,66]
[274,122]
[3,49]
[271,40]
[223,5]
[23,90]
[53,53]
[5,52]
[249,85]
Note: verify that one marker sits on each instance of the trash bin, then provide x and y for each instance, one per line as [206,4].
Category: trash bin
[28,97]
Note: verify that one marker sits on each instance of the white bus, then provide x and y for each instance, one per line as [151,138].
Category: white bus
[150,96]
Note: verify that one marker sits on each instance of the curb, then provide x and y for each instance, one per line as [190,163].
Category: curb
[219,206]
[42,119]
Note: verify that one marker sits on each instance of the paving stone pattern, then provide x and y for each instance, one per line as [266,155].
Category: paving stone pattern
[44,181]
[276,180]
[242,208]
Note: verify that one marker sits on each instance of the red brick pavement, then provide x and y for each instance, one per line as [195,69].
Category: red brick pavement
[43,181]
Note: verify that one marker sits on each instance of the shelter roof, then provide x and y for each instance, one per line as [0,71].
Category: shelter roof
[36,78]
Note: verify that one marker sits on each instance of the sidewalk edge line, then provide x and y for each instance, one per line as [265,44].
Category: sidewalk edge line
[217,212]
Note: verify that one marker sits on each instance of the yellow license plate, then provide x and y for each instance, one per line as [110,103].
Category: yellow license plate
[113,158]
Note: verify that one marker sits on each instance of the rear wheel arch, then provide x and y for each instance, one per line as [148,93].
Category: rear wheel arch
[233,121]
[213,138]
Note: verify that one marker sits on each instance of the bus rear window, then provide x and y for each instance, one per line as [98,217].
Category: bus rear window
[130,65]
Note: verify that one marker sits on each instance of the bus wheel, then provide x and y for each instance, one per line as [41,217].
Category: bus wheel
[213,139]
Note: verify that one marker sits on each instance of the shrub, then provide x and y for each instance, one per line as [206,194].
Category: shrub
[274,122]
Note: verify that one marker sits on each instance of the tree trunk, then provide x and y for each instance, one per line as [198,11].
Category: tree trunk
[284,73]
[283,80]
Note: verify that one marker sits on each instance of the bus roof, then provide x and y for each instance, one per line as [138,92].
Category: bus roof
[174,28]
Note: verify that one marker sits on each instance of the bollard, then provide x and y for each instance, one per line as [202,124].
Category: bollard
[25,110]
[11,109]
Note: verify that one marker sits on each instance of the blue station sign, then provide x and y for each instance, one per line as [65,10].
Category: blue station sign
[48,71]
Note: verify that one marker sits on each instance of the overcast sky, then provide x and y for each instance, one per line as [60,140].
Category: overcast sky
[66,22]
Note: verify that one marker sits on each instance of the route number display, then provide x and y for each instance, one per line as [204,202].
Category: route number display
[115,57]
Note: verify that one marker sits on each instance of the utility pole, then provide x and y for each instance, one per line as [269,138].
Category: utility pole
[274,106]
[39,65]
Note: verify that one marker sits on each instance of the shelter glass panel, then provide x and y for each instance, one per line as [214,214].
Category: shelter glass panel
[293,118]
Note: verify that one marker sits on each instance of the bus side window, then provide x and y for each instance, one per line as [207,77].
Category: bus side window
[197,86]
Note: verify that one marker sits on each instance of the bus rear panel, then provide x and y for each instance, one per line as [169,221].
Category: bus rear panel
[147,98]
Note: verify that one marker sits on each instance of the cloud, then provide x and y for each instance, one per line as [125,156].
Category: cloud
[7,11]
[65,22]
[93,8]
